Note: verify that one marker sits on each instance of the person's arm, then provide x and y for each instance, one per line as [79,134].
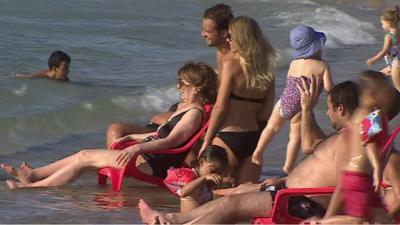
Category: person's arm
[136,137]
[220,107]
[373,157]
[183,130]
[311,133]
[327,78]
[335,203]
[385,48]
[191,186]
[38,74]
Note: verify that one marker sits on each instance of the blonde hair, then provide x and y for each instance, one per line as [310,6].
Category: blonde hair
[392,16]
[203,77]
[257,56]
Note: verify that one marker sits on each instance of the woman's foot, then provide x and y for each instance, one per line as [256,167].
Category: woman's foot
[25,165]
[23,173]
[11,171]
[150,215]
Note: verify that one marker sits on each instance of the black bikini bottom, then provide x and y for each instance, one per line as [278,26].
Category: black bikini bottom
[160,163]
[242,144]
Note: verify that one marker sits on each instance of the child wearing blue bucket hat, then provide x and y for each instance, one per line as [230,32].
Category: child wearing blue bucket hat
[306,63]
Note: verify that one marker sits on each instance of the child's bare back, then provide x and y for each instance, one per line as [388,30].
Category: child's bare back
[312,67]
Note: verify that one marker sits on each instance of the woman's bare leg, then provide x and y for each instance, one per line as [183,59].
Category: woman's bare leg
[396,73]
[74,165]
[228,209]
[25,174]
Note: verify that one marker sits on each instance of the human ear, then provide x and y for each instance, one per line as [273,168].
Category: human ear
[196,90]
[341,109]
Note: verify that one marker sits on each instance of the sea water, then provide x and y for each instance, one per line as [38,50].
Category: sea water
[125,57]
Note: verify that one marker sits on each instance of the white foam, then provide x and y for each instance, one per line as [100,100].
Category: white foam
[21,91]
[340,27]
[152,99]
[88,106]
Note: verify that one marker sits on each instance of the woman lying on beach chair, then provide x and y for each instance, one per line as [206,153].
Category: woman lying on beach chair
[197,84]
[160,158]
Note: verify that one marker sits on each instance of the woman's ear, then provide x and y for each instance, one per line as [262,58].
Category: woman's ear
[197,90]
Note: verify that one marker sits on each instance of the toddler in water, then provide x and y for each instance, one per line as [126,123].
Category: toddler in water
[58,62]
[307,62]
[193,185]
[366,136]
[390,49]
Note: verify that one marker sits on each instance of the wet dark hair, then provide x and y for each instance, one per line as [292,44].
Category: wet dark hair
[346,94]
[221,14]
[215,153]
[57,57]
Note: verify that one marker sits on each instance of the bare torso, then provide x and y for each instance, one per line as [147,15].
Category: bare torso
[320,168]
[307,67]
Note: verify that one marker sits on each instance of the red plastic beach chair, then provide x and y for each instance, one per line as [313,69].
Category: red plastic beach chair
[116,175]
[280,213]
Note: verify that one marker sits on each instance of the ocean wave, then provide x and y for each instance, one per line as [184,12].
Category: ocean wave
[20,133]
[340,27]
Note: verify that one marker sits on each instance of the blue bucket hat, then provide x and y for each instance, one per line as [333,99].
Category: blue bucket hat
[306,41]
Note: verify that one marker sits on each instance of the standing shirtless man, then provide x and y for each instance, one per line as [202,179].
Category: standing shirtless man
[215,31]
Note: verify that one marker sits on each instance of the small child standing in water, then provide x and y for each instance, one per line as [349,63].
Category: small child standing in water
[307,62]
[367,134]
[194,185]
[390,50]
[58,62]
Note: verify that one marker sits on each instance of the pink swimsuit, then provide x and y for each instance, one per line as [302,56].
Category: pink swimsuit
[177,178]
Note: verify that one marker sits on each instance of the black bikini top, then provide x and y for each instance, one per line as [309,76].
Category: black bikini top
[246,99]
[167,127]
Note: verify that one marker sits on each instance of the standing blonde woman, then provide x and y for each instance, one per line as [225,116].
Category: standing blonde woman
[245,97]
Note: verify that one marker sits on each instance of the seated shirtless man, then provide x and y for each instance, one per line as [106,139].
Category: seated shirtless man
[320,168]
[327,157]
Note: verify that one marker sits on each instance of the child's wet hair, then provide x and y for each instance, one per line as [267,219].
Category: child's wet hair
[57,57]
[215,153]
